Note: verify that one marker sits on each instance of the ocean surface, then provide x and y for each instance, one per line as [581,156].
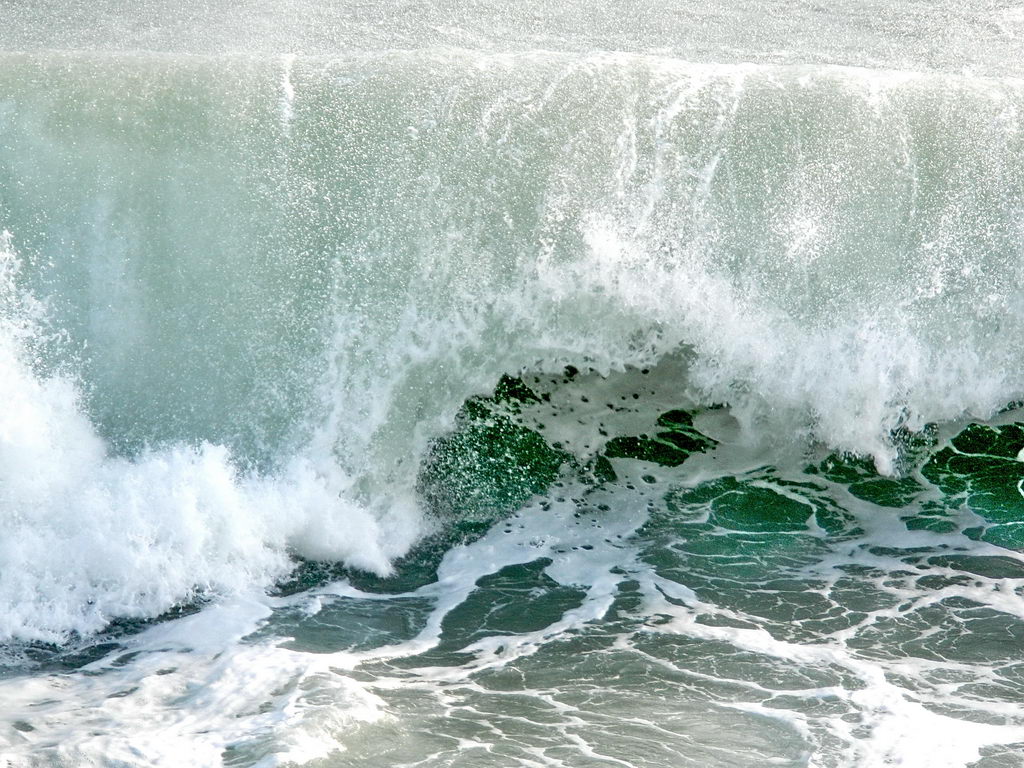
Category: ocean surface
[479,384]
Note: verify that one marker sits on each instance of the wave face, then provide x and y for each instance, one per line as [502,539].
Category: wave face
[296,269]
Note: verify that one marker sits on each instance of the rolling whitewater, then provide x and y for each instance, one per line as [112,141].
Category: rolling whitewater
[428,384]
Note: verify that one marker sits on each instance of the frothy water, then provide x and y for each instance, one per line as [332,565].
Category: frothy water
[721,612]
[94,536]
[529,393]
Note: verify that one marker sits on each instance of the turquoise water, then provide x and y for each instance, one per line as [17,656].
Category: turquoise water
[420,385]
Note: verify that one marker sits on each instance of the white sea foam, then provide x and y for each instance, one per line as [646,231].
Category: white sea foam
[762,694]
[188,688]
[832,266]
[90,537]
